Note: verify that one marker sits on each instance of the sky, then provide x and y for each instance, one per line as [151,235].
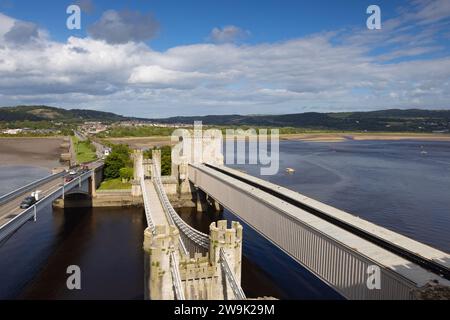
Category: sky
[152,58]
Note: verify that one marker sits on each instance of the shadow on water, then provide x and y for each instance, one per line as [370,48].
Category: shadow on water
[105,243]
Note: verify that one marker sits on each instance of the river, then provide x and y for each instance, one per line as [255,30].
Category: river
[401,185]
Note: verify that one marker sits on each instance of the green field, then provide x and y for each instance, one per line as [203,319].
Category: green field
[84,150]
[144,131]
[114,184]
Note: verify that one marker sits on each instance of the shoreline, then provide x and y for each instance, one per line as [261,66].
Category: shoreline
[159,141]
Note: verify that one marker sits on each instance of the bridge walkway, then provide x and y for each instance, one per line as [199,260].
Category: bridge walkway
[156,208]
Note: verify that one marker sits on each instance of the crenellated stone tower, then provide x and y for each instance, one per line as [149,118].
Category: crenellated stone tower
[202,276]
[157,249]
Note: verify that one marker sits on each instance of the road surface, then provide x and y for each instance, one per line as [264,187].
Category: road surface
[11,209]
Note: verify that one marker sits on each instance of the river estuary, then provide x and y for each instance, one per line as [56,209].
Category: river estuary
[401,185]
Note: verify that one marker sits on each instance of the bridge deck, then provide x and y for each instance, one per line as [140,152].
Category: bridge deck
[12,208]
[12,217]
[157,211]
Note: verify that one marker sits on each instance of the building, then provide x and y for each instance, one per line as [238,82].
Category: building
[12,131]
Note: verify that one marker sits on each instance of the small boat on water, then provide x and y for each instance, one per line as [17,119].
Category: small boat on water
[290,170]
[423,152]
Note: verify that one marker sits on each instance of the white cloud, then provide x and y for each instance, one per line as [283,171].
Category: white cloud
[228,34]
[431,11]
[6,23]
[315,73]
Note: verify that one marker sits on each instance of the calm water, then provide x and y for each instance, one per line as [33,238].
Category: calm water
[13,177]
[105,244]
[387,182]
[394,184]
[390,183]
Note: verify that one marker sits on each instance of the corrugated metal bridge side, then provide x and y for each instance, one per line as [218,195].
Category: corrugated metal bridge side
[338,257]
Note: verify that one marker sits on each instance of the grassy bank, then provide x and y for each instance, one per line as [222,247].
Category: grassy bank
[84,150]
[115,184]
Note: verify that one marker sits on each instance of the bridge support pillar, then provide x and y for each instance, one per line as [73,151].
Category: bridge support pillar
[214,204]
[156,158]
[186,190]
[202,203]
[92,186]
[138,159]
[157,246]
[136,188]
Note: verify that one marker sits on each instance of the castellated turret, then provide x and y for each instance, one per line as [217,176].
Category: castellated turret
[202,276]
[157,248]
[230,240]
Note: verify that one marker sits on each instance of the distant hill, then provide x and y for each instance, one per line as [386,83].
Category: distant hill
[412,120]
[45,113]
[395,120]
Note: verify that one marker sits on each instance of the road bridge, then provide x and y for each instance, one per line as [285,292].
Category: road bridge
[12,217]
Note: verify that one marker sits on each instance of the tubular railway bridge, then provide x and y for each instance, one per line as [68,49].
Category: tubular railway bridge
[339,248]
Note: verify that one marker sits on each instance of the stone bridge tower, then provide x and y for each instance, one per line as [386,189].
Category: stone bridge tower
[202,276]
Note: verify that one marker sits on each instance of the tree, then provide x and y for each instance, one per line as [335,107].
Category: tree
[124,152]
[113,163]
[126,174]
[117,160]
[166,161]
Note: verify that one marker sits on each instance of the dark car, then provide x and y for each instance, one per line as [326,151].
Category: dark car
[69,178]
[84,169]
[27,202]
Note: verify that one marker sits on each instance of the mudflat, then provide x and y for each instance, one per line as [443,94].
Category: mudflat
[338,137]
[158,141]
[37,152]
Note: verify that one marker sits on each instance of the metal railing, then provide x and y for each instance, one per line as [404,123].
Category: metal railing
[148,213]
[235,287]
[7,229]
[177,285]
[13,194]
[199,239]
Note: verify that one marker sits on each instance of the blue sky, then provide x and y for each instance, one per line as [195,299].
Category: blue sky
[187,22]
[162,58]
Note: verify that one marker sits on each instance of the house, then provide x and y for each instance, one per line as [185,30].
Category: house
[12,131]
